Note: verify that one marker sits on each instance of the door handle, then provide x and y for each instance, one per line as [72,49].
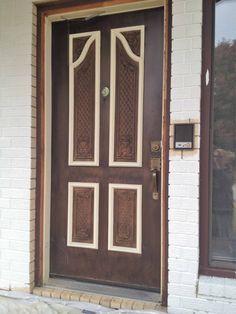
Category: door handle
[155,169]
[155,193]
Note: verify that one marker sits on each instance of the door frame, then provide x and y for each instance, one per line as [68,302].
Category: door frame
[68,9]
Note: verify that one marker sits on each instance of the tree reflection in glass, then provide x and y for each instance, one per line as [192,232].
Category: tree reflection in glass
[223,240]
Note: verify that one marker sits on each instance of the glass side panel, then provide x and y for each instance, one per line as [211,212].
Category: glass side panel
[223,218]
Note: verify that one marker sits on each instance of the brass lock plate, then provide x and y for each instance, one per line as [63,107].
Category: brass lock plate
[155,164]
[155,146]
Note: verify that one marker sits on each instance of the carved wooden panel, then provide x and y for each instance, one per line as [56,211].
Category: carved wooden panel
[126,112]
[78,46]
[125,218]
[84,107]
[82,224]
[125,207]
[84,98]
[126,97]
[83,215]
[133,38]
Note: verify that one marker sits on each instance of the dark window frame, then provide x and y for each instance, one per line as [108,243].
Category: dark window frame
[206,140]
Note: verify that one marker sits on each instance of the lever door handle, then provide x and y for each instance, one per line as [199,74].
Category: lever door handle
[155,193]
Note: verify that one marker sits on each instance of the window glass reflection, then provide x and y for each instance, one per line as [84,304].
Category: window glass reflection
[223,240]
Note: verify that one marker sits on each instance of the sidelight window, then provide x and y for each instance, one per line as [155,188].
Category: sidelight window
[223,159]
[218,237]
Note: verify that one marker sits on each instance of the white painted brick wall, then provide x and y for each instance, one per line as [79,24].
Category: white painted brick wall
[17,143]
[189,294]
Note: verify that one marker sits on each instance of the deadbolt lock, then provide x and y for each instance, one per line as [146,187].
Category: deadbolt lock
[155,146]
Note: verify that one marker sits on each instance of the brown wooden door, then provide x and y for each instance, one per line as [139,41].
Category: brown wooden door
[105,223]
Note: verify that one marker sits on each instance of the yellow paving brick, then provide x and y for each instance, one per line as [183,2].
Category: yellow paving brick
[116,303]
[56,293]
[85,297]
[65,295]
[95,298]
[46,292]
[105,301]
[137,305]
[75,296]
[149,306]
[37,291]
[160,308]
[127,304]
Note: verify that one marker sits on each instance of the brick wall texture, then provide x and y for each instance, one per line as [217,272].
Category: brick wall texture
[17,142]
[188,293]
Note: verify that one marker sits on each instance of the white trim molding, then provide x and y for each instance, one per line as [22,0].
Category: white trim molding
[117,33]
[71,186]
[93,37]
[107,10]
[111,246]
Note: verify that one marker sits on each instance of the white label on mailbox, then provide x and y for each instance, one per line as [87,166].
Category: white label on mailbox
[183,145]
